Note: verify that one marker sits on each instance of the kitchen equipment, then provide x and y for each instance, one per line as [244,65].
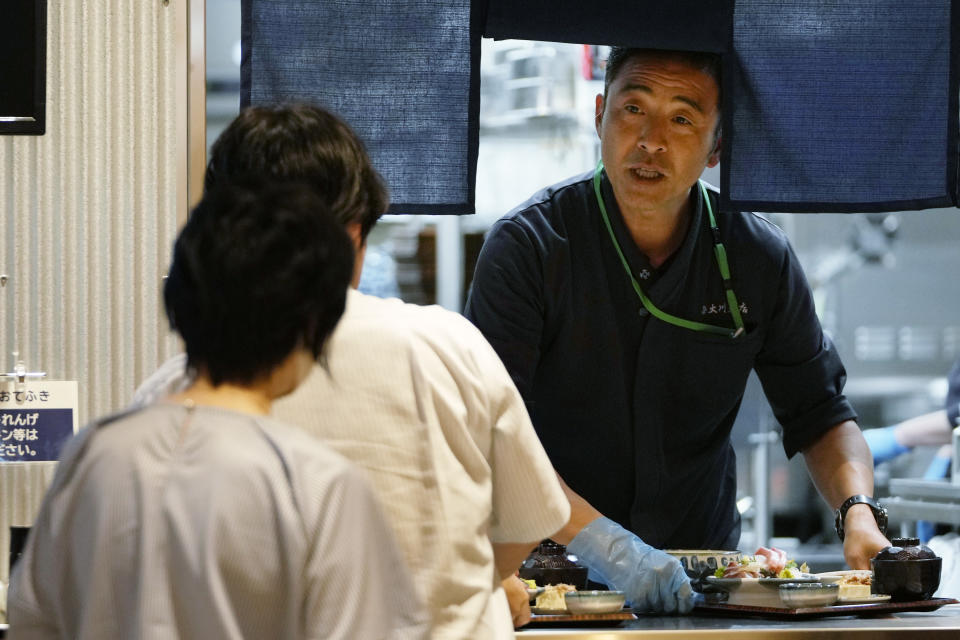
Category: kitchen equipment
[18,541]
[955,452]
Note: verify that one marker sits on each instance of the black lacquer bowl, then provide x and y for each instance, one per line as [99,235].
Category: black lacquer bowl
[550,564]
[907,571]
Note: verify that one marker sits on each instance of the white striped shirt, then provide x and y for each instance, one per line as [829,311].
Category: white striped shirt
[416,396]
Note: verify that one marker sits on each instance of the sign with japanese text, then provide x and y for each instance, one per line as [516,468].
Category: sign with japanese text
[36,419]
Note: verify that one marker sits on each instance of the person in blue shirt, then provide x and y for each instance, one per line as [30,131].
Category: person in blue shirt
[630,310]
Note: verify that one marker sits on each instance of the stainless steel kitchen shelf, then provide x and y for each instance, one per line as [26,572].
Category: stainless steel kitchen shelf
[933,500]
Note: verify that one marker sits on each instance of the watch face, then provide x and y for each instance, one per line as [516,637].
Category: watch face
[881,515]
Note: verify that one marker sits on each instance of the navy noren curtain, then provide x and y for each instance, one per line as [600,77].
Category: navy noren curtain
[829,105]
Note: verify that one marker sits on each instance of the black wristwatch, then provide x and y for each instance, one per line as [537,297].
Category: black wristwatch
[878,512]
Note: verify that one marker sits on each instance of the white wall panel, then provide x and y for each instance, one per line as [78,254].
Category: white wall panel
[88,210]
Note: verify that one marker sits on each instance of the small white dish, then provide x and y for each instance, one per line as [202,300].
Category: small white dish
[837,576]
[579,602]
[811,594]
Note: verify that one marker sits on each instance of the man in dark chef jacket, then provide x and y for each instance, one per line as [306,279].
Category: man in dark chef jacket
[630,326]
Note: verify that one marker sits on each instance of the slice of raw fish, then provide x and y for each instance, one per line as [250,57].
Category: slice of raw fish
[775,559]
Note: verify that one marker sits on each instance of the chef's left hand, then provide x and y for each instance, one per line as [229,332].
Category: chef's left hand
[862,539]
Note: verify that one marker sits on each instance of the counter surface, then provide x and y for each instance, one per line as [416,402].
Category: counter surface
[942,623]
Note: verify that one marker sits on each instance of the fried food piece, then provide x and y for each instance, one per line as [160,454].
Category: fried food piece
[552,596]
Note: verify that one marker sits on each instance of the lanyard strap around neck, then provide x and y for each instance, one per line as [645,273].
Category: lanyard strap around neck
[719,252]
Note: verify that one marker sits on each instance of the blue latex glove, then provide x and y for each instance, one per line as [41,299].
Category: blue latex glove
[651,579]
[883,445]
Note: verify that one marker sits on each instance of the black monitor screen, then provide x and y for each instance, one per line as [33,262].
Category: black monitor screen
[22,66]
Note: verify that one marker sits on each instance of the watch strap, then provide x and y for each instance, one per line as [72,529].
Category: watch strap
[879,512]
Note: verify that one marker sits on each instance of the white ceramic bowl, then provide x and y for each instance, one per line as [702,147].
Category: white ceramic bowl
[696,560]
[594,601]
[811,594]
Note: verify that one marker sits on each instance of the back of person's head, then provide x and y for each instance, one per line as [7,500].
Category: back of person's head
[302,143]
[257,271]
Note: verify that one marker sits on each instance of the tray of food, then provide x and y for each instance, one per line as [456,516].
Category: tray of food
[866,608]
[582,620]
[564,604]
[905,577]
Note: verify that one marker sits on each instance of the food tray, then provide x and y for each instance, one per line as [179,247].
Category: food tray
[580,620]
[821,612]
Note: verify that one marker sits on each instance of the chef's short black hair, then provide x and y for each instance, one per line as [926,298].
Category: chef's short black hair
[709,63]
[302,143]
[258,270]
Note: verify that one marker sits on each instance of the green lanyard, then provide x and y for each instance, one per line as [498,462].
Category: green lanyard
[719,251]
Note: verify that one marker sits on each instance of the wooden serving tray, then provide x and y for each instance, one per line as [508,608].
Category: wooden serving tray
[582,619]
[822,612]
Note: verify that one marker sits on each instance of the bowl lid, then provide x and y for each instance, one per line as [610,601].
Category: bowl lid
[905,549]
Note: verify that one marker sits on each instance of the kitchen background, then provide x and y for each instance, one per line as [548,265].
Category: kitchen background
[886,285]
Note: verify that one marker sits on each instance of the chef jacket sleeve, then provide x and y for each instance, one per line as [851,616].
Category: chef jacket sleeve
[506,299]
[798,365]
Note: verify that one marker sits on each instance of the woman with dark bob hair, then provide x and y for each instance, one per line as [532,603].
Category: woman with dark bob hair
[256,276]
[199,516]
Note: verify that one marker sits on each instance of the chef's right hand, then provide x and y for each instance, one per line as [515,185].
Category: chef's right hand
[651,579]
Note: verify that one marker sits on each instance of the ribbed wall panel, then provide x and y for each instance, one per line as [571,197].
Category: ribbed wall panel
[88,209]
[88,214]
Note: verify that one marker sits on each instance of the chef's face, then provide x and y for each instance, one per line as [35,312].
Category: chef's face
[657,130]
